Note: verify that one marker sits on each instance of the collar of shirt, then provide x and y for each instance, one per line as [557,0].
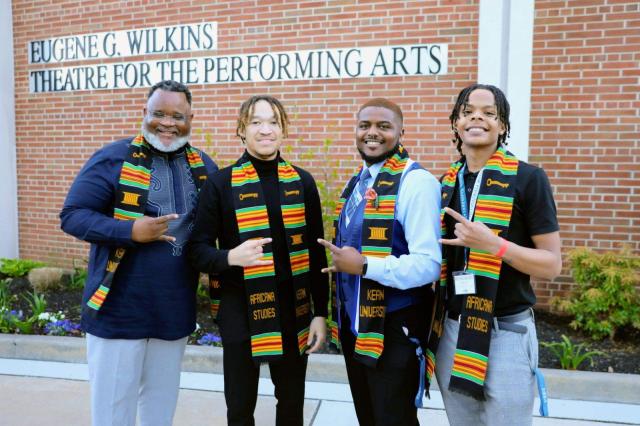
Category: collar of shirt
[470,179]
[374,169]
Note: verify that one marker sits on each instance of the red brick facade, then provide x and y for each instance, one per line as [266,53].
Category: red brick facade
[585,123]
[584,120]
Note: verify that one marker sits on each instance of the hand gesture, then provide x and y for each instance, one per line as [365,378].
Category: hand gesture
[147,229]
[249,253]
[475,235]
[346,259]
[317,334]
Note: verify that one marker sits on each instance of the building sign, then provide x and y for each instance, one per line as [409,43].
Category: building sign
[349,62]
[121,44]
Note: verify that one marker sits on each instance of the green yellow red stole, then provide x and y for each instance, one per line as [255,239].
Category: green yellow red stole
[377,239]
[131,201]
[493,208]
[260,282]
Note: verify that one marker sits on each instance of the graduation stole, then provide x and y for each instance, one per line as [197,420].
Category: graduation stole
[493,208]
[260,282]
[377,240]
[131,200]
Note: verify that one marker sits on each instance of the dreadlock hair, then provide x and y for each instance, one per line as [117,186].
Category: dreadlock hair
[246,109]
[502,105]
[383,103]
[171,86]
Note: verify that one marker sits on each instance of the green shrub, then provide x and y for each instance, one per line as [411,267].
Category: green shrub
[78,279]
[15,320]
[37,303]
[16,268]
[606,297]
[5,297]
[79,275]
[202,290]
[570,356]
[327,182]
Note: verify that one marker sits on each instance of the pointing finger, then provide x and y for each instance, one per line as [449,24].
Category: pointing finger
[329,269]
[454,242]
[167,238]
[328,245]
[261,241]
[166,218]
[454,214]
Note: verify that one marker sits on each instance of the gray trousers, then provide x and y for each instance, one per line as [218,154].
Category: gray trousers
[510,381]
[129,377]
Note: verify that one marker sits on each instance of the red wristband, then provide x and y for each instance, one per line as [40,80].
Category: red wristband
[503,248]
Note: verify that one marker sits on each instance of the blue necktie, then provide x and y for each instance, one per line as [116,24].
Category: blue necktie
[354,201]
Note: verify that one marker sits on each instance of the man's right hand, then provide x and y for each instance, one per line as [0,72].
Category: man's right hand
[249,253]
[147,229]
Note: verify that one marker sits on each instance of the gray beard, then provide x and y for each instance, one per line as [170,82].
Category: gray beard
[155,142]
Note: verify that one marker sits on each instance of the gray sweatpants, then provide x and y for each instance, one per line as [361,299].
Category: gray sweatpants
[510,381]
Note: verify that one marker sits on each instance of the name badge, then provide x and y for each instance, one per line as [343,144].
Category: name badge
[464,283]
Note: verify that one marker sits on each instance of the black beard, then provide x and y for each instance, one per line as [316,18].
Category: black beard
[378,158]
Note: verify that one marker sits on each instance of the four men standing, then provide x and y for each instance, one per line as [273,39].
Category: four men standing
[258,230]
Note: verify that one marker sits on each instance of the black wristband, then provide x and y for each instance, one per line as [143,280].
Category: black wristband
[364,266]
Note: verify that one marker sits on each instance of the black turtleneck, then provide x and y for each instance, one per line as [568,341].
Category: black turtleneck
[216,223]
[268,173]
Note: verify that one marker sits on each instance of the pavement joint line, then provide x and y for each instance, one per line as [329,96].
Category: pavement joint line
[559,408]
[579,385]
[572,394]
[315,412]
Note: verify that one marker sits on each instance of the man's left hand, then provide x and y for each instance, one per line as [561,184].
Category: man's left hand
[317,332]
[345,259]
[475,235]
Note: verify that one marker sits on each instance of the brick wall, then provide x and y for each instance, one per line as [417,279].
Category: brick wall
[584,99]
[585,122]
[57,132]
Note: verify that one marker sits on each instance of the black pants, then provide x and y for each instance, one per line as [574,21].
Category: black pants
[241,376]
[385,395]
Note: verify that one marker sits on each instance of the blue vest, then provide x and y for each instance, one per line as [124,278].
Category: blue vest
[348,284]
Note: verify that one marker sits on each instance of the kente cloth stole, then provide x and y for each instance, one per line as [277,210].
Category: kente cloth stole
[260,281]
[377,241]
[131,201]
[493,208]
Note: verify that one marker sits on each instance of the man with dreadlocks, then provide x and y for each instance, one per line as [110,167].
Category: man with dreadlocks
[499,228]
[265,215]
[385,256]
[135,201]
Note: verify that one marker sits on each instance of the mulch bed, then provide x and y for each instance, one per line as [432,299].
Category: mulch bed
[621,355]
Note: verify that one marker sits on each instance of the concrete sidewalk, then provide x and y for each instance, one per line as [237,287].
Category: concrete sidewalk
[43,380]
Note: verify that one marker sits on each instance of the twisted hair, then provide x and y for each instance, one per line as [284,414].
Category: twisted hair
[502,105]
[171,86]
[246,109]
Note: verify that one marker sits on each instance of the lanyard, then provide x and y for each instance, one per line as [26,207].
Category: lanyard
[468,212]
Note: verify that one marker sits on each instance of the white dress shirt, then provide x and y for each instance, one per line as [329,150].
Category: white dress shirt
[418,211]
